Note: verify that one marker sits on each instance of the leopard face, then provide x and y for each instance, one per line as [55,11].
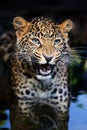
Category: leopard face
[43,43]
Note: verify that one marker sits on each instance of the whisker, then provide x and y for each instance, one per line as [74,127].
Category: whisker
[79,51]
[80,57]
[74,61]
[71,59]
[81,47]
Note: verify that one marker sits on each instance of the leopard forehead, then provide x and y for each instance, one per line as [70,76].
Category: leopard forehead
[44,27]
[41,26]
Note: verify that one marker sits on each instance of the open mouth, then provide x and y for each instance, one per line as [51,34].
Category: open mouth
[43,69]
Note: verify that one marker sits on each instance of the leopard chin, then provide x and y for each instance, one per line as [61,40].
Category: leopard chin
[40,77]
[43,71]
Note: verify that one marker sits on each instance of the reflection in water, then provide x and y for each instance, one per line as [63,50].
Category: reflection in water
[4,119]
[78,115]
[48,119]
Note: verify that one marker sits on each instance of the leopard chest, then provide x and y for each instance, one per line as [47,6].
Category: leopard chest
[31,93]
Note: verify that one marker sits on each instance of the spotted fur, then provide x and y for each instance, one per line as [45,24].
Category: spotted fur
[39,69]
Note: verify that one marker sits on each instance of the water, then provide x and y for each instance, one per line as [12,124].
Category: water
[78,113]
[6,124]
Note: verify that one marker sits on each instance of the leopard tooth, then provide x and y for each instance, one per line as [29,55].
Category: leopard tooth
[45,72]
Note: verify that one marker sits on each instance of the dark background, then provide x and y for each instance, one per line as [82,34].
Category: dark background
[56,9]
[59,10]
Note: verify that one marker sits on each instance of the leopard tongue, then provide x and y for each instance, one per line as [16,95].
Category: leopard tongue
[45,69]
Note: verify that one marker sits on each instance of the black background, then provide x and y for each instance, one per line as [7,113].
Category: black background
[56,9]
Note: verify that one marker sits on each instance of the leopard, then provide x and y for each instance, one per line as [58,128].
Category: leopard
[39,74]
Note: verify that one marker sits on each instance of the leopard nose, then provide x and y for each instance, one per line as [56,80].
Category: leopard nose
[48,58]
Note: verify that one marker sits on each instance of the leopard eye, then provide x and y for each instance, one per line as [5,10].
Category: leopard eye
[57,41]
[35,40]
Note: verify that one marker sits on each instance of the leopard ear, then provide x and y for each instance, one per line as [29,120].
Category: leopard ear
[19,24]
[65,27]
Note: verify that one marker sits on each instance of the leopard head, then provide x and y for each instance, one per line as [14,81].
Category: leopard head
[43,41]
